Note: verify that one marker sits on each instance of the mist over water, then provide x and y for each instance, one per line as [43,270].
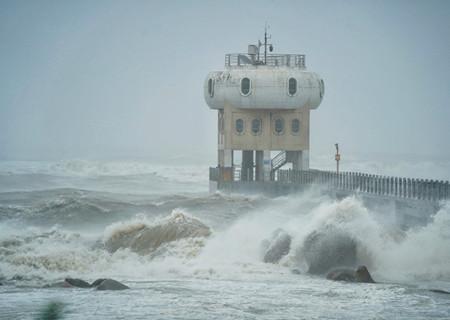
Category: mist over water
[60,219]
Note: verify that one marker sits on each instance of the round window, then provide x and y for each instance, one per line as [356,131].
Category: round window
[256,126]
[322,88]
[279,126]
[245,86]
[295,126]
[211,87]
[292,86]
[239,126]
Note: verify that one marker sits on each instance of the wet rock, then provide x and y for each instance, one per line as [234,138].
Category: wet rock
[277,246]
[327,249]
[78,283]
[439,291]
[110,284]
[97,282]
[361,274]
[144,239]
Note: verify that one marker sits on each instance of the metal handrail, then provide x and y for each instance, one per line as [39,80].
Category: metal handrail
[273,60]
[279,160]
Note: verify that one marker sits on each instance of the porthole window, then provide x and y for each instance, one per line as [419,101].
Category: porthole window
[239,126]
[256,126]
[322,88]
[211,87]
[279,126]
[245,86]
[292,86]
[295,126]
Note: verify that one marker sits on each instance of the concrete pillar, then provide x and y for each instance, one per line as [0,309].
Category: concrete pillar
[259,163]
[225,162]
[267,161]
[247,165]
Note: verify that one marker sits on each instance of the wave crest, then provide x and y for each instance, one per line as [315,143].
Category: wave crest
[144,238]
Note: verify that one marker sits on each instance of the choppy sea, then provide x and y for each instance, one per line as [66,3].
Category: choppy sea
[55,218]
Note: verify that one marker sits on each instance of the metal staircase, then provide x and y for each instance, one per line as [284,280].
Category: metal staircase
[278,161]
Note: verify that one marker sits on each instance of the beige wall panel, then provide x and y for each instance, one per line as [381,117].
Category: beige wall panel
[267,139]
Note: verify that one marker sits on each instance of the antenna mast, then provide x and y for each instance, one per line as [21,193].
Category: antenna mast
[265,44]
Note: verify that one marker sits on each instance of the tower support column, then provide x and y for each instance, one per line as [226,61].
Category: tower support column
[247,165]
[259,163]
[267,160]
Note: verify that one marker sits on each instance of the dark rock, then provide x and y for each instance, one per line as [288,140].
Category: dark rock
[439,291]
[97,282]
[110,284]
[295,271]
[277,246]
[329,248]
[78,283]
[361,274]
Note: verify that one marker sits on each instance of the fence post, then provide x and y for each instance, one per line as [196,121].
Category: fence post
[441,189]
[433,189]
[447,190]
[408,184]
[372,183]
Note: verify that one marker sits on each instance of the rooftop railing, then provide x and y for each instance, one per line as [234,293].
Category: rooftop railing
[420,189]
[273,60]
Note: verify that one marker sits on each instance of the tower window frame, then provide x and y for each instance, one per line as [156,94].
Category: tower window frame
[295,126]
[292,86]
[322,88]
[239,126]
[278,126]
[211,87]
[246,86]
[256,127]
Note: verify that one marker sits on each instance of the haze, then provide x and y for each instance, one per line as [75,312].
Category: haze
[124,79]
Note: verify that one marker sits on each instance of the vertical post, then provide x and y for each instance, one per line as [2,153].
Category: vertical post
[409,189]
[447,190]
[441,189]
[419,189]
[337,157]
[395,186]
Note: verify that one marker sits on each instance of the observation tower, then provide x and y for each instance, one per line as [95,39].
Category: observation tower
[263,101]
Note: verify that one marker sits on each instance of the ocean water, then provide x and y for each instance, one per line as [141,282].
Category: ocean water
[57,219]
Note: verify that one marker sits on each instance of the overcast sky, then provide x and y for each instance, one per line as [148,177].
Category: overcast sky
[124,79]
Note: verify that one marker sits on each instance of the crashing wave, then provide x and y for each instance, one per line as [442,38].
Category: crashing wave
[143,238]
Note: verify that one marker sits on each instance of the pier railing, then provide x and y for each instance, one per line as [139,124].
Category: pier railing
[421,189]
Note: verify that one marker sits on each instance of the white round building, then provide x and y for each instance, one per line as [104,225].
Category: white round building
[263,103]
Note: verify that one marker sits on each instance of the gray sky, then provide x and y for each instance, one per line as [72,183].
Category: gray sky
[109,79]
